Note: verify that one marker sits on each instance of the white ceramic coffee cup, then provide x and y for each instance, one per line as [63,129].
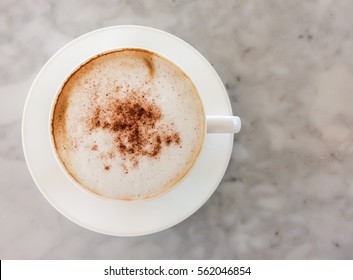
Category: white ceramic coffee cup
[213,123]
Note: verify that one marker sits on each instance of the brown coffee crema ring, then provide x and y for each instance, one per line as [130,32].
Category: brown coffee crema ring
[116,124]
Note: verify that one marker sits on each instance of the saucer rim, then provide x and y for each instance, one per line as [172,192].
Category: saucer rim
[50,199]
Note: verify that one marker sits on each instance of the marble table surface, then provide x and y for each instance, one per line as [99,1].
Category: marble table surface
[288,69]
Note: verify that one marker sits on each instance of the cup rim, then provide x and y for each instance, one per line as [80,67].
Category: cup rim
[67,173]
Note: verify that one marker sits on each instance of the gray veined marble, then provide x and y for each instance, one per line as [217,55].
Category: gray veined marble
[288,69]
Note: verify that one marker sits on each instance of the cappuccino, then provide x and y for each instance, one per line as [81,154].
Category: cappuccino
[128,125]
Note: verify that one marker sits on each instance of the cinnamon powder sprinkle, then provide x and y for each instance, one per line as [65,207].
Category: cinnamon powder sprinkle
[134,121]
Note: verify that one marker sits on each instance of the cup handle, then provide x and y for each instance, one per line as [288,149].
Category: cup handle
[223,124]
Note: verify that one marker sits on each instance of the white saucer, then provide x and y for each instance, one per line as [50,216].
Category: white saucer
[118,217]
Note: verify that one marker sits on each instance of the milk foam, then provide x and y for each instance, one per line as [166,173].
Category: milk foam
[163,118]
